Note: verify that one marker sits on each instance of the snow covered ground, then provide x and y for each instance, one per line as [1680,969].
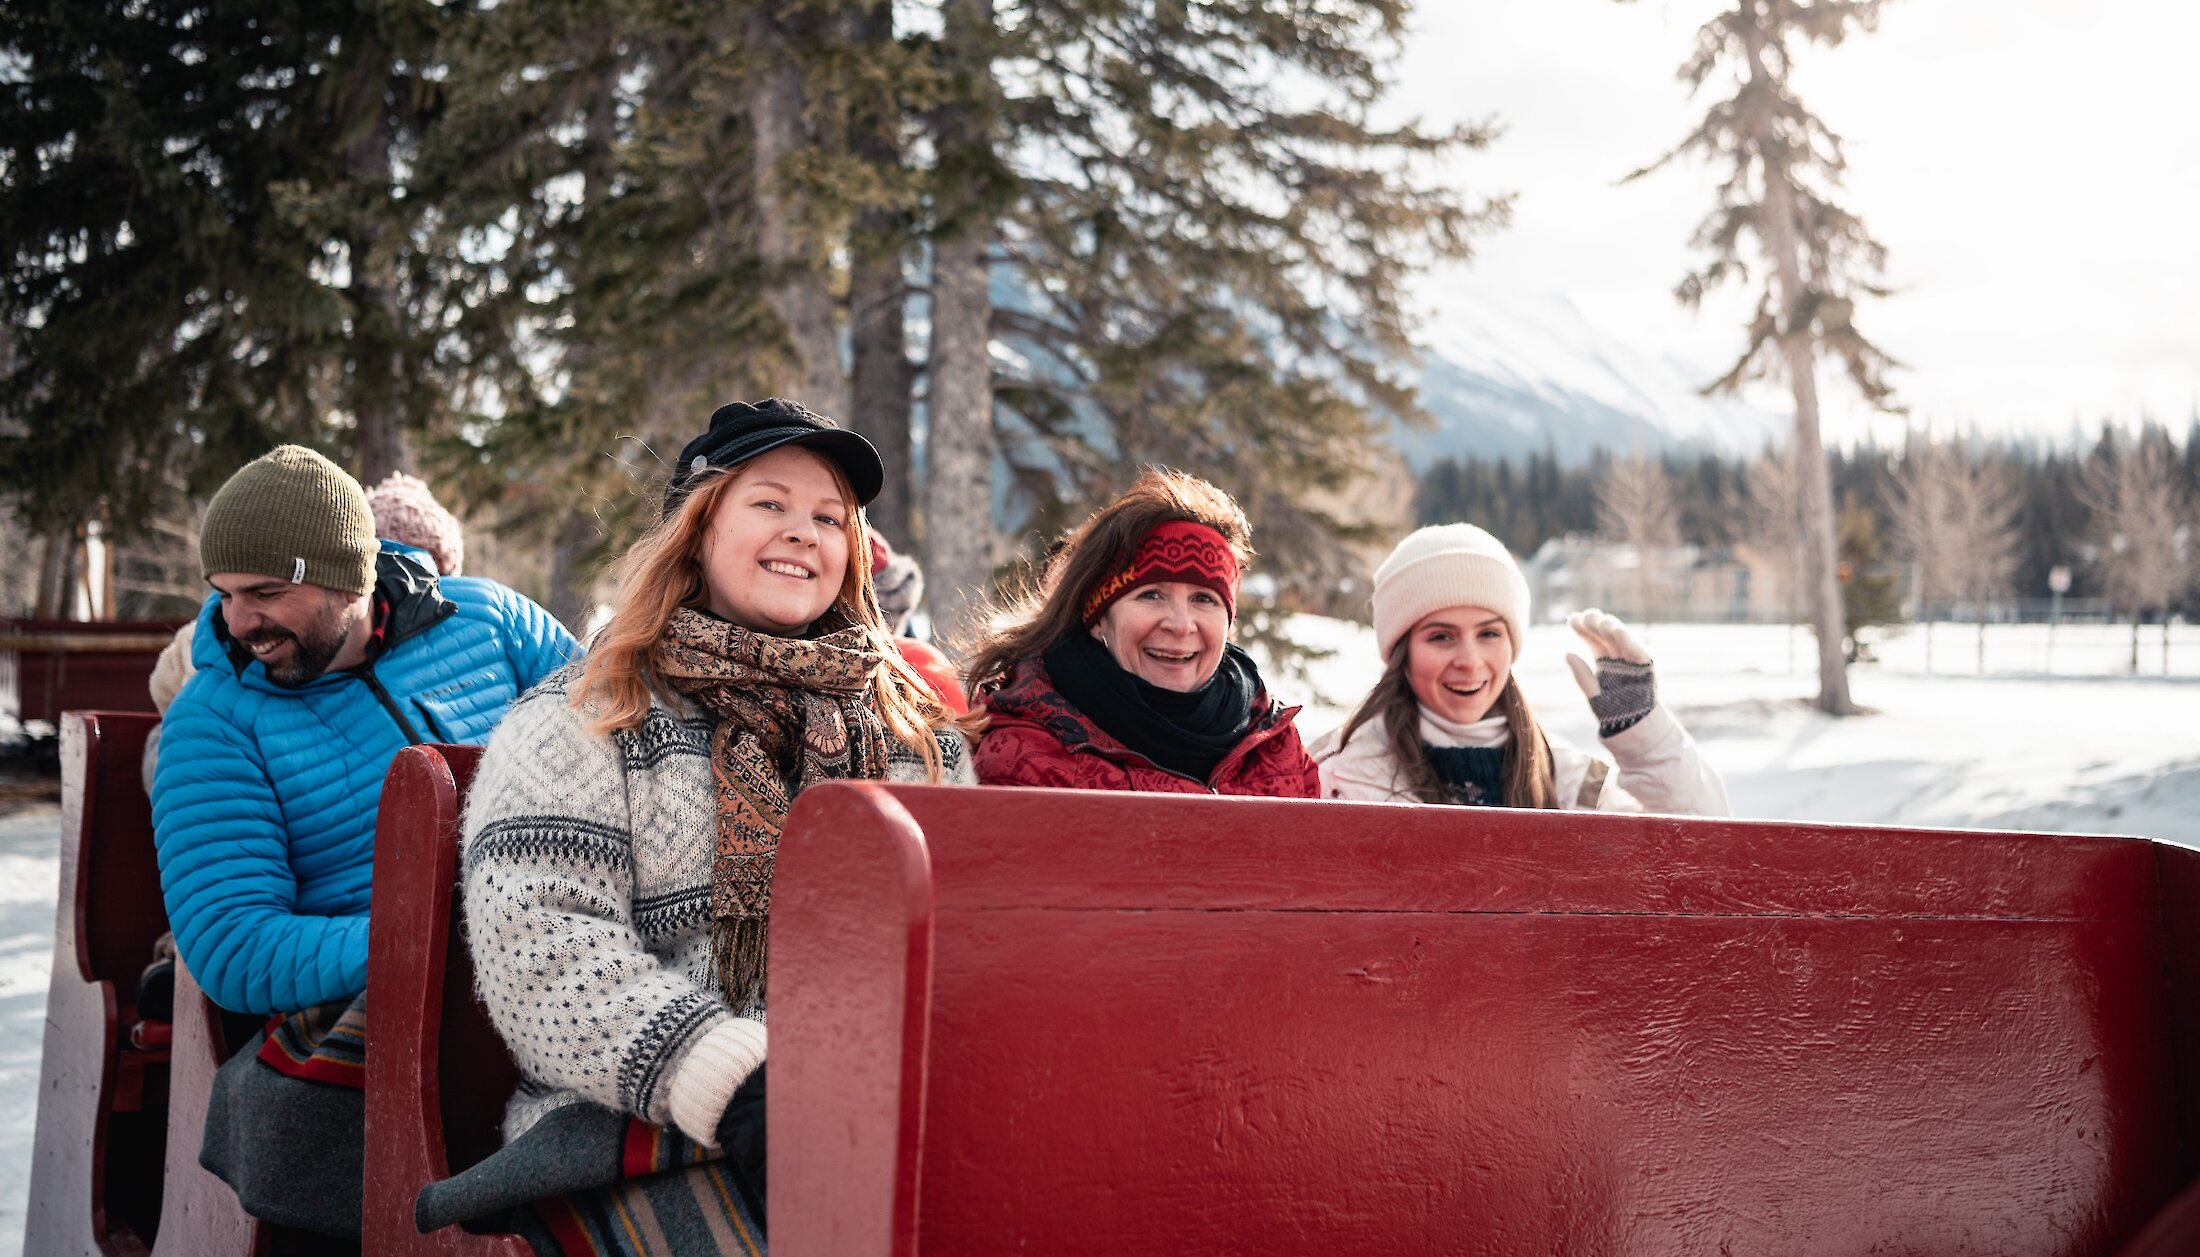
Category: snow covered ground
[30,851]
[2050,739]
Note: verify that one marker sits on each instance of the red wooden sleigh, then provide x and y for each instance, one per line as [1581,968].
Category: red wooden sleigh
[1031,1021]
[1035,1021]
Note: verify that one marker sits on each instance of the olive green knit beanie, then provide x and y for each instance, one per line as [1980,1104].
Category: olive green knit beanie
[293,515]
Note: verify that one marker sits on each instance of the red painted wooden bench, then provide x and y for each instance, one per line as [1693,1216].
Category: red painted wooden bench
[199,1215]
[114,1165]
[1048,1022]
[95,1183]
[1065,1023]
[437,1074]
[69,665]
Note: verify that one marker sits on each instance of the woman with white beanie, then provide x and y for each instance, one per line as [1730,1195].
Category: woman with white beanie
[1448,724]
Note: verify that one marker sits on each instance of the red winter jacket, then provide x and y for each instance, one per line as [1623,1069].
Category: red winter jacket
[1035,738]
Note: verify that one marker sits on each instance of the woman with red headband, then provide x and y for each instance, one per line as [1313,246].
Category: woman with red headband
[1118,673]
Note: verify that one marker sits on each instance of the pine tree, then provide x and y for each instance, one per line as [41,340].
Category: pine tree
[598,256]
[895,83]
[796,228]
[1818,259]
[1207,266]
[649,207]
[1872,598]
[208,250]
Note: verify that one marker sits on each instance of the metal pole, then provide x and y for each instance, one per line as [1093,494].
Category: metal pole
[2054,617]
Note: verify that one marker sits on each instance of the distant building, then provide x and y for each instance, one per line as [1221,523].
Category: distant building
[1738,584]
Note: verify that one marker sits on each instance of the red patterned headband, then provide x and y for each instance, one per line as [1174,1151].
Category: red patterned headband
[1179,550]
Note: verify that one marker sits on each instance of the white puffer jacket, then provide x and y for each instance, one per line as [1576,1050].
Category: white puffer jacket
[1660,769]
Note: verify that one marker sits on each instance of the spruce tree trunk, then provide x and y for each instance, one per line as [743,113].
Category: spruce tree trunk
[383,445]
[1821,570]
[378,319]
[798,289]
[877,291]
[378,404]
[1821,573]
[958,480]
[571,579]
[56,570]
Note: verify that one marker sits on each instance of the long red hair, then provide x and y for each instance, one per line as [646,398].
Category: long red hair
[663,572]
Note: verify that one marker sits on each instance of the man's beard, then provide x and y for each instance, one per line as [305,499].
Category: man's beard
[312,649]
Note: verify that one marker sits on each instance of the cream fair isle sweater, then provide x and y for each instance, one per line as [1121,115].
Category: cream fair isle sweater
[586,879]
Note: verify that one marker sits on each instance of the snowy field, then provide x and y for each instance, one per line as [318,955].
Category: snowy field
[2055,738]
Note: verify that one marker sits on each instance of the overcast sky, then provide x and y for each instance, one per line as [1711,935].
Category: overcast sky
[2033,167]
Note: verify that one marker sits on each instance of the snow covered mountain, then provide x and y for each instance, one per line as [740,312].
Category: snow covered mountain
[1508,378]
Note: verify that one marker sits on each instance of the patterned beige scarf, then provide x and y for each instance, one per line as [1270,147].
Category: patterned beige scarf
[792,712]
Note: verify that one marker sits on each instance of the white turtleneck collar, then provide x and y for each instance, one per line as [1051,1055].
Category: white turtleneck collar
[1492,730]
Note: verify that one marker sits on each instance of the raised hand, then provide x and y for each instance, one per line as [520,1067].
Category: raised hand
[1622,687]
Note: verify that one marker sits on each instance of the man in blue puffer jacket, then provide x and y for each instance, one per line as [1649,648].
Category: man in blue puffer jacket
[322,653]
[319,657]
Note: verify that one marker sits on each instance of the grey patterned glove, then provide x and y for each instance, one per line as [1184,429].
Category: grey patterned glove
[1623,689]
[1626,691]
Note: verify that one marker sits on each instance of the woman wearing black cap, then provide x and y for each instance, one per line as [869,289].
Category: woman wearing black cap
[620,838]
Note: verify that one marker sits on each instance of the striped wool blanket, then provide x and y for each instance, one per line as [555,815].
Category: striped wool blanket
[587,1181]
[286,1120]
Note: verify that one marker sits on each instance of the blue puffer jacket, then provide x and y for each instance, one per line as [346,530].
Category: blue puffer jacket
[265,798]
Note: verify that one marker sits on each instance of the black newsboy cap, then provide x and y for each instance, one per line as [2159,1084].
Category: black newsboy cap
[739,431]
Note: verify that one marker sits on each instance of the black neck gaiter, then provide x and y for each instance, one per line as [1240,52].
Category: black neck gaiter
[1184,733]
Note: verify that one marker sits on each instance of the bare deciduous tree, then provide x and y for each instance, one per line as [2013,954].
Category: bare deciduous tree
[1984,540]
[1955,517]
[1635,506]
[1920,509]
[1774,515]
[2140,523]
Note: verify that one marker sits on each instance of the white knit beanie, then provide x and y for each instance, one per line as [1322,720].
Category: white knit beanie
[1447,565]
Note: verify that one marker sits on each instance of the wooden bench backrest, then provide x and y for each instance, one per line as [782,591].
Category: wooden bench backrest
[96,1154]
[112,902]
[1056,1022]
[438,1076]
[79,665]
